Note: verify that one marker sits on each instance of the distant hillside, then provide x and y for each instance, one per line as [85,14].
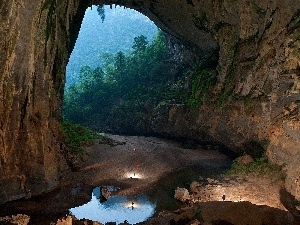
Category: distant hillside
[115,34]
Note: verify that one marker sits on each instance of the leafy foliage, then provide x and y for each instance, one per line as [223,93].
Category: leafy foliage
[260,166]
[77,136]
[201,83]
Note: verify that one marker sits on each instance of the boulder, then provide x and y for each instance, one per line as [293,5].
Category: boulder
[105,193]
[19,219]
[194,186]
[182,194]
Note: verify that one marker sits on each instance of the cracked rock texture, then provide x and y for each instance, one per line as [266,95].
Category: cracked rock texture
[255,103]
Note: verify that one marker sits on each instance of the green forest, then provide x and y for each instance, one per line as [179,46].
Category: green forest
[123,92]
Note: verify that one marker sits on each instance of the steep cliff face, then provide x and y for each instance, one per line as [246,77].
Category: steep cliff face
[34,52]
[255,102]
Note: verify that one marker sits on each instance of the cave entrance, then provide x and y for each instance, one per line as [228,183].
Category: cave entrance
[118,72]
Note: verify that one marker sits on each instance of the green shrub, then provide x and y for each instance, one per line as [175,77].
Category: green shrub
[260,166]
[77,136]
[201,84]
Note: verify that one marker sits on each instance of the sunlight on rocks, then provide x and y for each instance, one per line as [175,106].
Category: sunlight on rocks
[235,189]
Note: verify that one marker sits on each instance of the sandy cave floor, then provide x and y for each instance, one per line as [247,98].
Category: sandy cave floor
[145,159]
[151,158]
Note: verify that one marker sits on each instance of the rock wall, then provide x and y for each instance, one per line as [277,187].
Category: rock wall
[35,47]
[255,105]
[255,102]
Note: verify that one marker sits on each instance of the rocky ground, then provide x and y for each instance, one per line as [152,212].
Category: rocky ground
[136,164]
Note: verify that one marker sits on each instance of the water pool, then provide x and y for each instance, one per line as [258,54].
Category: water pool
[133,209]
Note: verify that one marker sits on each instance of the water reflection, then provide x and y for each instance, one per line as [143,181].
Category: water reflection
[117,209]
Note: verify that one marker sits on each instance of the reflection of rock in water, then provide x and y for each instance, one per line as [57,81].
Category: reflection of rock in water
[102,193]
[105,193]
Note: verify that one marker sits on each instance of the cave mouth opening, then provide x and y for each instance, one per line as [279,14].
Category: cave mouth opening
[110,36]
[121,68]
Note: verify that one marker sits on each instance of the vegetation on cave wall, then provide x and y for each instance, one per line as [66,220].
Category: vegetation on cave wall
[203,79]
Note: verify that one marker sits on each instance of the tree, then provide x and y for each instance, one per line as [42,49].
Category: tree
[140,43]
[120,67]
[85,77]
[98,76]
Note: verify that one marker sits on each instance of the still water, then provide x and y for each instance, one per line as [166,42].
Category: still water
[117,209]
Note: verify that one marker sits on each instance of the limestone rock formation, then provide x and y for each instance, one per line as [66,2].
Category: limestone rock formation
[105,193]
[256,101]
[71,220]
[18,219]
[34,52]
[182,194]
